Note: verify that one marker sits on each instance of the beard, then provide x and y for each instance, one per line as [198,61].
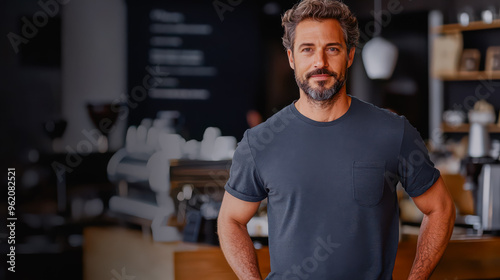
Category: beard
[321,93]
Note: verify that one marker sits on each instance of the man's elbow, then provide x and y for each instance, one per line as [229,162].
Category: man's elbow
[445,211]
[449,209]
[225,223]
[439,203]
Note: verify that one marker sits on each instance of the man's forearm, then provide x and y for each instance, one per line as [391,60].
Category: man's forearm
[435,232]
[238,250]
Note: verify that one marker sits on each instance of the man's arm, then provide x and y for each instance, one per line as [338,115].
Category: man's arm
[234,239]
[435,231]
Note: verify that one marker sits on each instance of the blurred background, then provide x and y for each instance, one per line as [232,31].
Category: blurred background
[119,120]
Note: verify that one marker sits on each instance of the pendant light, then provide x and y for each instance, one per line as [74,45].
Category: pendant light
[379,55]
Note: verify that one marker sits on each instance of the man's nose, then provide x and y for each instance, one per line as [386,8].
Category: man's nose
[320,60]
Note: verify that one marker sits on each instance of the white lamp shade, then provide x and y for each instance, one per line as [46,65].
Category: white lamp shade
[379,57]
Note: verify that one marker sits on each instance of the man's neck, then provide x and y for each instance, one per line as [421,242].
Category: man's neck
[323,111]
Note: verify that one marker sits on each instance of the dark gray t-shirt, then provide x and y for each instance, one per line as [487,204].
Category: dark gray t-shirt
[332,204]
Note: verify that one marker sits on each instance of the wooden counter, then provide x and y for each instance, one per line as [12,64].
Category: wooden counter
[463,259]
[107,251]
[120,253]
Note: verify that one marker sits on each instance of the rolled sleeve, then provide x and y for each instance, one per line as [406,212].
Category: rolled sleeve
[415,169]
[244,181]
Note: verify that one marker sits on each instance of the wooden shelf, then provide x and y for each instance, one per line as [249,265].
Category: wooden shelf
[468,76]
[475,25]
[464,128]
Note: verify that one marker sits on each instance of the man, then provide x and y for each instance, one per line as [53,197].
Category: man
[328,165]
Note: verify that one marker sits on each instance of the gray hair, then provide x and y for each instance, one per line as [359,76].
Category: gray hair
[319,10]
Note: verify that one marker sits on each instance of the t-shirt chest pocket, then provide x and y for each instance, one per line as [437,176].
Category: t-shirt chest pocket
[368,182]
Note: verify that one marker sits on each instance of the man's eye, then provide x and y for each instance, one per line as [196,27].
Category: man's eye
[332,49]
[307,49]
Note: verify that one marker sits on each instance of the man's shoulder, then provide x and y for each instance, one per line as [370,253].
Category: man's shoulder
[376,114]
[274,124]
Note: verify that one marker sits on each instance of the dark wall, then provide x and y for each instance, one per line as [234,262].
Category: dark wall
[30,80]
[232,49]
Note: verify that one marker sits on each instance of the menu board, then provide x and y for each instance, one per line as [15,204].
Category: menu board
[196,58]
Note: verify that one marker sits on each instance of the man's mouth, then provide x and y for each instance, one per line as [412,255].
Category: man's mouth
[321,77]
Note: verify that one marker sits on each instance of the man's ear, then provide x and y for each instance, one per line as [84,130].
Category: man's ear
[352,51]
[290,58]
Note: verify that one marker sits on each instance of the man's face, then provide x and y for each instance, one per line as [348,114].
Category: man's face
[320,58]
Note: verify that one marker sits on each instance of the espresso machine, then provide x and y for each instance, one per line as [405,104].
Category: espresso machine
[488,197]
[483,173]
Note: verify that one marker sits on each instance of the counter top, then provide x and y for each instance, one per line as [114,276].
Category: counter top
[110,251]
